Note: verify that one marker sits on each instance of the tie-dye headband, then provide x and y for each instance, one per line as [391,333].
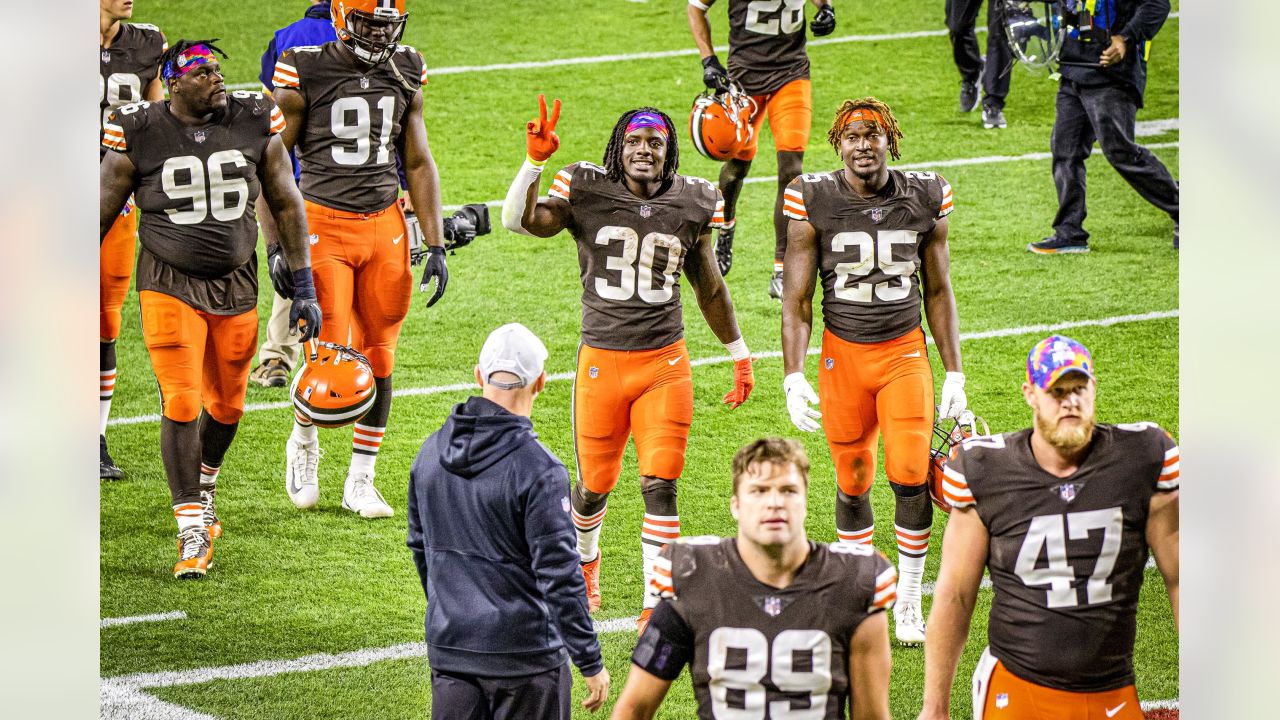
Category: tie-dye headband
[188,60]
[647,119]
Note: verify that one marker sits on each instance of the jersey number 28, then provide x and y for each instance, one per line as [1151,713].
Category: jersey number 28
[778,663]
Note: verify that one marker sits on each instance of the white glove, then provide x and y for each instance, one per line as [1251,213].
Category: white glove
[800,399]
[953,400]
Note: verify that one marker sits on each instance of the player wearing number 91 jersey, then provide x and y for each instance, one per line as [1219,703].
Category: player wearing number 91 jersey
[1062,514]
[638,225]
[196,164]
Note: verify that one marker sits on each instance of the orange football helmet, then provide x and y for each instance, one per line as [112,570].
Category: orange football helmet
[948,433]
[335,385]
[357,23]
[720,123]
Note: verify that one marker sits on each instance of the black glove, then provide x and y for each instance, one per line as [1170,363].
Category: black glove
[824,21]
[436,268]
[278,269]
[305,311]
[714,75]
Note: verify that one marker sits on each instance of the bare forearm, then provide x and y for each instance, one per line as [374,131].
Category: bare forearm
[289,222]
[947,633]
[944,325]
[267,223]
[718,311]
[701,30]
[424,191]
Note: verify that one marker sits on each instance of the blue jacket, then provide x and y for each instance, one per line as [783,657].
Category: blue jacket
[315,28]
[490,532]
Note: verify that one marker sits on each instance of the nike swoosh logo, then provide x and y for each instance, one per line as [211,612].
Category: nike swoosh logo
[912,354]
[1112,712]
[397,239]
[294,488]
[674,360]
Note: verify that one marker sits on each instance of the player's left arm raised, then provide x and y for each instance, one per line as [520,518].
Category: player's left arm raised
[940,313]
[424,190]
[716,306]
[284,200]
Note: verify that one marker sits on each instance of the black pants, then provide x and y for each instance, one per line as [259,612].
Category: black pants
[1106,114]
[544,696]
[962,15]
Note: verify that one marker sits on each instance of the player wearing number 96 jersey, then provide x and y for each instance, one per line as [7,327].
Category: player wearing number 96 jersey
[352,106]
[877,238]
[196,164]
[771,624]
[1062,515]
[638,225]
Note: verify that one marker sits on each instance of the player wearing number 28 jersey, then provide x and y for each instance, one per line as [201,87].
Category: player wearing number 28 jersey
[638,225]
[771,624]
[1062,515]
[351,107]
[197,163]
[877,239]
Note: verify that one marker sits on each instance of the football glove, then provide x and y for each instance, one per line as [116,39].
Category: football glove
[824,21]
[800,399]
[714,75]
[540,135]
[743,381]
[436,268]
[953,400]
[278,269]
[304,313]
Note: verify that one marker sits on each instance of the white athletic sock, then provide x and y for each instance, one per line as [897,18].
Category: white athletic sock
[588,531]
[106,388]
[366,440]
[658,530]
[208,476]
[913,548]
[856,537]
[303,431]
[188,515]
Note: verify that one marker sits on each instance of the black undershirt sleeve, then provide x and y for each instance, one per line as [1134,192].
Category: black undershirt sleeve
[666,645]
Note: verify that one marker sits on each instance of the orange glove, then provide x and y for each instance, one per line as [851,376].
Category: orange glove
[540,135]
[743,381]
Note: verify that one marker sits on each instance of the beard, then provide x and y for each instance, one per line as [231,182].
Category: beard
[1067,439]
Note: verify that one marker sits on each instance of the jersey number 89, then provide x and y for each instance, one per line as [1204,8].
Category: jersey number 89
[778,663]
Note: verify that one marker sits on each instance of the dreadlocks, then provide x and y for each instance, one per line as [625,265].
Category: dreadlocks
[170,56]
[869,107]
[613,151]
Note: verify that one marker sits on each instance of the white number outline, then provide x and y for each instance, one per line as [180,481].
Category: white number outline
[880,251]
[637,278]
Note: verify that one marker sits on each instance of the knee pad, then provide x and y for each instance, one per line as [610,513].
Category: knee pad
[184,407]
[907,463]
[664,463]
[855,468]
[382,359]
[109,322]
[599,473]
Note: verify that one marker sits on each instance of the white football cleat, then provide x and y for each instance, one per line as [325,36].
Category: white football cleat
[301,477]
[360,496]
[908,623]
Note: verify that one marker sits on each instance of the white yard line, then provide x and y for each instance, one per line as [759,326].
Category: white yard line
[1147,128]
[158,617]
[558,377]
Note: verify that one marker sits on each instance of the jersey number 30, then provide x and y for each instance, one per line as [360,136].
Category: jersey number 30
[778,662]
[637,277]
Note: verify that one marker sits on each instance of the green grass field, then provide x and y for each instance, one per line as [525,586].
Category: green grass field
[289,584]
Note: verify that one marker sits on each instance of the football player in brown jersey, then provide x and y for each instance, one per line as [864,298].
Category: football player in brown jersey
[771,624]
[637,225]
[352,106]
[129,72]
[196,164]
[1062,514]
[877,239]
[767,59]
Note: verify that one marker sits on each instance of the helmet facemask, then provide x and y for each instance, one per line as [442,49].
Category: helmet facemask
[360,32]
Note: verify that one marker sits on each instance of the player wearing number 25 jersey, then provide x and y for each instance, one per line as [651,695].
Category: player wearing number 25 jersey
[197,163]
[877,239]
[638,225]
[771,624]
[1062,515]
[352,106]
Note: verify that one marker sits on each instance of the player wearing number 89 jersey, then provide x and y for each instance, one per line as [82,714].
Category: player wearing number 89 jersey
[877,239]
[638,225]
[1062,515]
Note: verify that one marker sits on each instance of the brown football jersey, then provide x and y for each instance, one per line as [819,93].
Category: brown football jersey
[132,61]
[196,188]
[869,248]
[1066,554]
[766,43]
[754,650]
[355,115]
[631,252]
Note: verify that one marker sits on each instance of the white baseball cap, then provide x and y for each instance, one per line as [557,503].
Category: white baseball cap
[515,349]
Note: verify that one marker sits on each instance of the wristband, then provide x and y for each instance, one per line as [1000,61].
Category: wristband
[536,163]
[304,287]
[738,350]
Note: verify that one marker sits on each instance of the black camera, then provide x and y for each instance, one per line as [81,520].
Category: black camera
[460,229]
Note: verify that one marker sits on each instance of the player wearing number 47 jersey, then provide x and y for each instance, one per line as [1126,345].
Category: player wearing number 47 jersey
[1062,515]
[197,163]
[352,106]
[771,625]
[638,225]
[129,73]
[877,239]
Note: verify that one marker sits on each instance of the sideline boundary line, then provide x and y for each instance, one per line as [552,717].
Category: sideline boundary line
[719,359]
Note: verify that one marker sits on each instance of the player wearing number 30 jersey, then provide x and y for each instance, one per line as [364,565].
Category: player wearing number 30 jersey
[1062,514]
[638,225]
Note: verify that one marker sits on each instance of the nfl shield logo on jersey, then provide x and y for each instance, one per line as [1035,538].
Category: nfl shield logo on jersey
[593,371]
[772,605]
[645,211]
[877,214]
[829,363]
[106,56]
[1067,491]
[313,239]
[1002,700]
[198,136]
[364,83]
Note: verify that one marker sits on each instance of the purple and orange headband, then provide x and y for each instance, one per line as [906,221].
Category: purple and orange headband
[188,60]
[647,120]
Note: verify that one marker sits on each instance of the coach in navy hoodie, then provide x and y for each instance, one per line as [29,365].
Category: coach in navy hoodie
[490,532]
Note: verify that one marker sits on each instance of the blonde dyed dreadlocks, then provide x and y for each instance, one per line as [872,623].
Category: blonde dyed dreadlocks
[867,109]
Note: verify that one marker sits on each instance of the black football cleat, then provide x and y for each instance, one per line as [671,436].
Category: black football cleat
[107,468]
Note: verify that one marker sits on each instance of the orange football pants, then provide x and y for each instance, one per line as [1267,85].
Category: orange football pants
[115,257]
[790,112]
[864,386]
[647,394]
[1009,697]
[360,262]
[200,359]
